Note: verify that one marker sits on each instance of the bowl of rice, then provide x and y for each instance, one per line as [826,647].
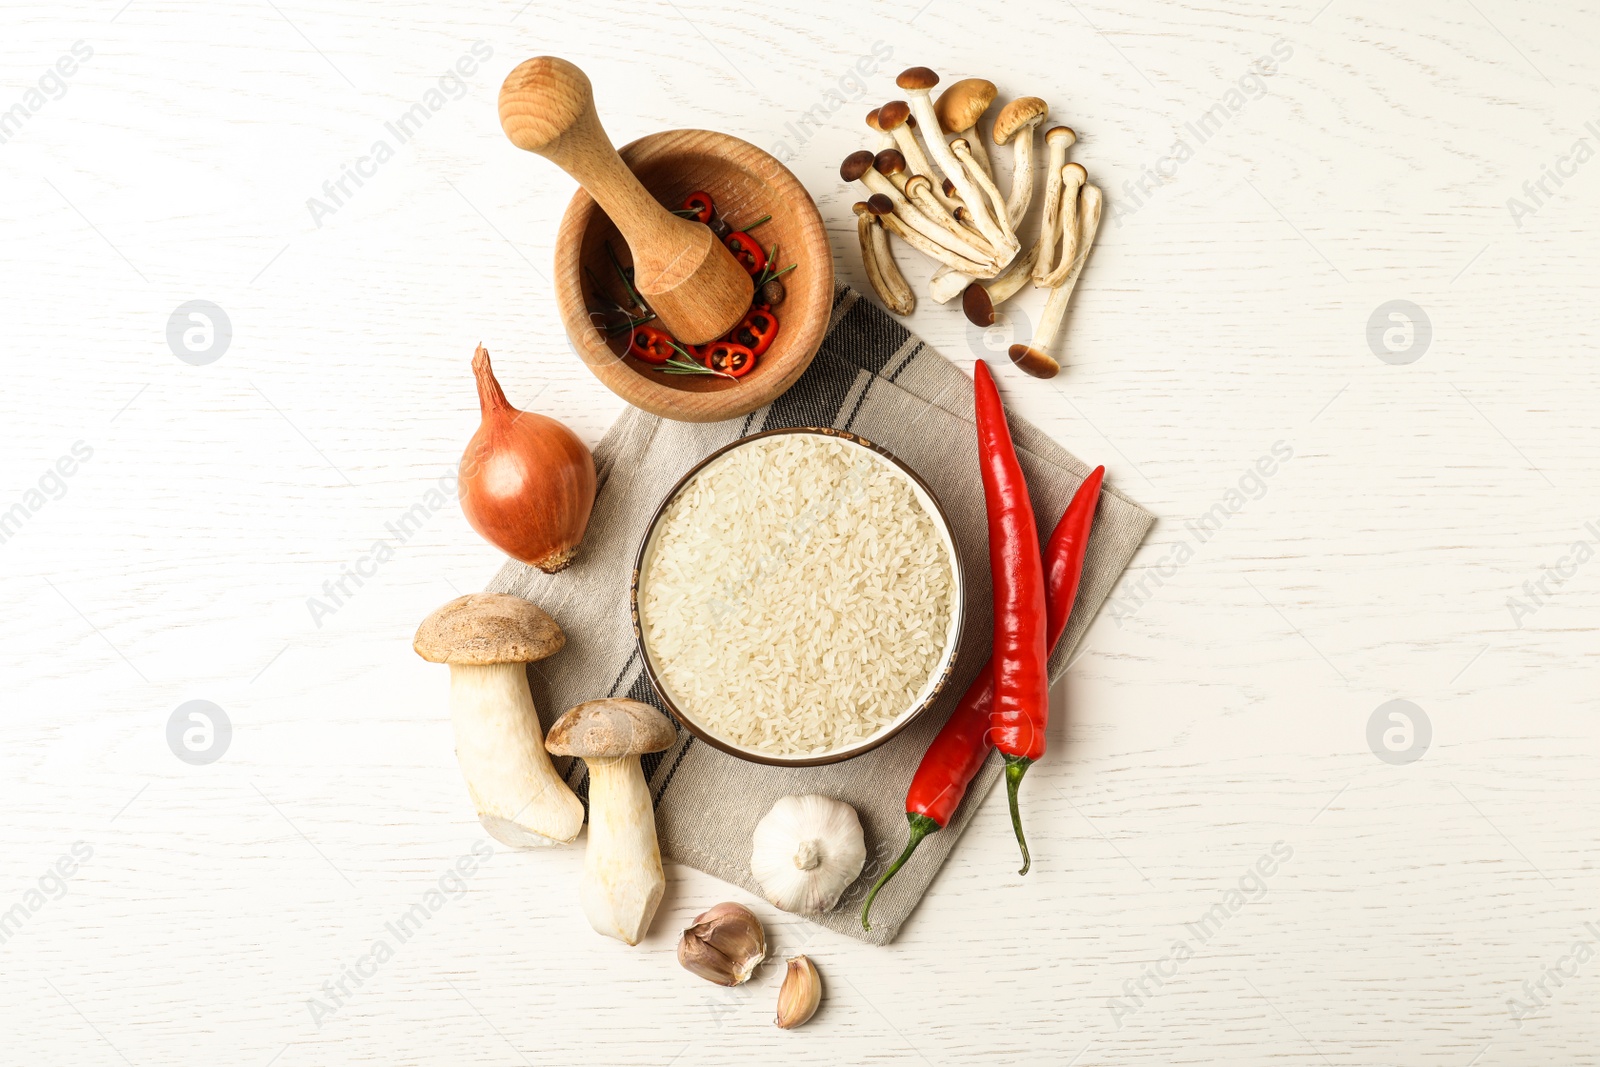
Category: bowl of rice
[797,597]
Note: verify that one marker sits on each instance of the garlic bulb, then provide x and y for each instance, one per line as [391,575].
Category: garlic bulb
[807,850]
[724,945]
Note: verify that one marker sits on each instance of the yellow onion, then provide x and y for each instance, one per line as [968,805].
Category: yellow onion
[527,482]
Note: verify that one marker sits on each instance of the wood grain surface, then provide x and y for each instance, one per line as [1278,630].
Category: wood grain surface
[1225,871]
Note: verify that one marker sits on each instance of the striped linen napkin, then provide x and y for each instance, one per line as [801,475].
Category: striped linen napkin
[874,379]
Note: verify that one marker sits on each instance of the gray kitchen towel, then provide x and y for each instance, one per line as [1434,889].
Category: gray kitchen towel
[874,379]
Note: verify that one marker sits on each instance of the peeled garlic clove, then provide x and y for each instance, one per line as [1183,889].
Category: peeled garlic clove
[800,995]
[724,945]
[807,851]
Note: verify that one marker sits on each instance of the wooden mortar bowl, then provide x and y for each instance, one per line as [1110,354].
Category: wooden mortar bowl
[745,183]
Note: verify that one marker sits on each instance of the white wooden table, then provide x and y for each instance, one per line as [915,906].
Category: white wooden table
[1435,911]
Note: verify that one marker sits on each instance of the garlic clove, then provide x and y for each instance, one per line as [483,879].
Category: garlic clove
[800,994]
[807,851]
[724,945]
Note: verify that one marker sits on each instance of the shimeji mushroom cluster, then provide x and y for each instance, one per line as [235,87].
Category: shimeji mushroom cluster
[957,215]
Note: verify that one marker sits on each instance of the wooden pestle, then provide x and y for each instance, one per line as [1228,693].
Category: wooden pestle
[693,283]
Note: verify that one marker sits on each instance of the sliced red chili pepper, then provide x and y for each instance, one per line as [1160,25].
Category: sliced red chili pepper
[758,330]
[701,204]
[650,344]
[730,358]
[747,250]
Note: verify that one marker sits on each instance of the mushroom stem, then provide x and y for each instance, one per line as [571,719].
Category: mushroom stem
[520,799]
[979,152]
[979,299]
[1073,177]
[1035,358]
[622,877]
[922,108]
[882,271]
[997,203]
[1021,196]
[896,226]
[919,190]
[859,166]
[1058,140]
[1015,125]
[895,117]
[948,283]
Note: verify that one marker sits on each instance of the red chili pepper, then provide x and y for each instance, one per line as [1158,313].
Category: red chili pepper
[960,748]
[650,344]
[758,330]
[1021,681]
[747,250]
[730,358]
[700,203]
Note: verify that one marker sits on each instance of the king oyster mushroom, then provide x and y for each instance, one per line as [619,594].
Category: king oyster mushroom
[486,638]
[622,877]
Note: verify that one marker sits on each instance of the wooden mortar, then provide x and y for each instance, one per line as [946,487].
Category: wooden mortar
[695,286]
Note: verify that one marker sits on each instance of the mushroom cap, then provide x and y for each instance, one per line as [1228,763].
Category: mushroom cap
[916,182]
[1074,173]
[1022,113]
[977,305]
[484,628]
[862,210]
[1062,135]
[879,204]
[872,119]
[1030,360]
[889,161]
[961,105]
[855,165]
[610,729]
[894,114]
[949,187]
[917,78]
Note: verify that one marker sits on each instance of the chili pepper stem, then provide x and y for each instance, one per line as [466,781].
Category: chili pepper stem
[1016,767]
[921,826]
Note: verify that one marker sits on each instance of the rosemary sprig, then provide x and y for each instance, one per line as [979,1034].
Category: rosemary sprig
[767,273]
[684,363]
[627,282]
[631,324]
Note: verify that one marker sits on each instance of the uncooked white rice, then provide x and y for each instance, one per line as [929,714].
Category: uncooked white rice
[798,596]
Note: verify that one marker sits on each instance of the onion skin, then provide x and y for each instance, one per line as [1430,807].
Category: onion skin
[527,482]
